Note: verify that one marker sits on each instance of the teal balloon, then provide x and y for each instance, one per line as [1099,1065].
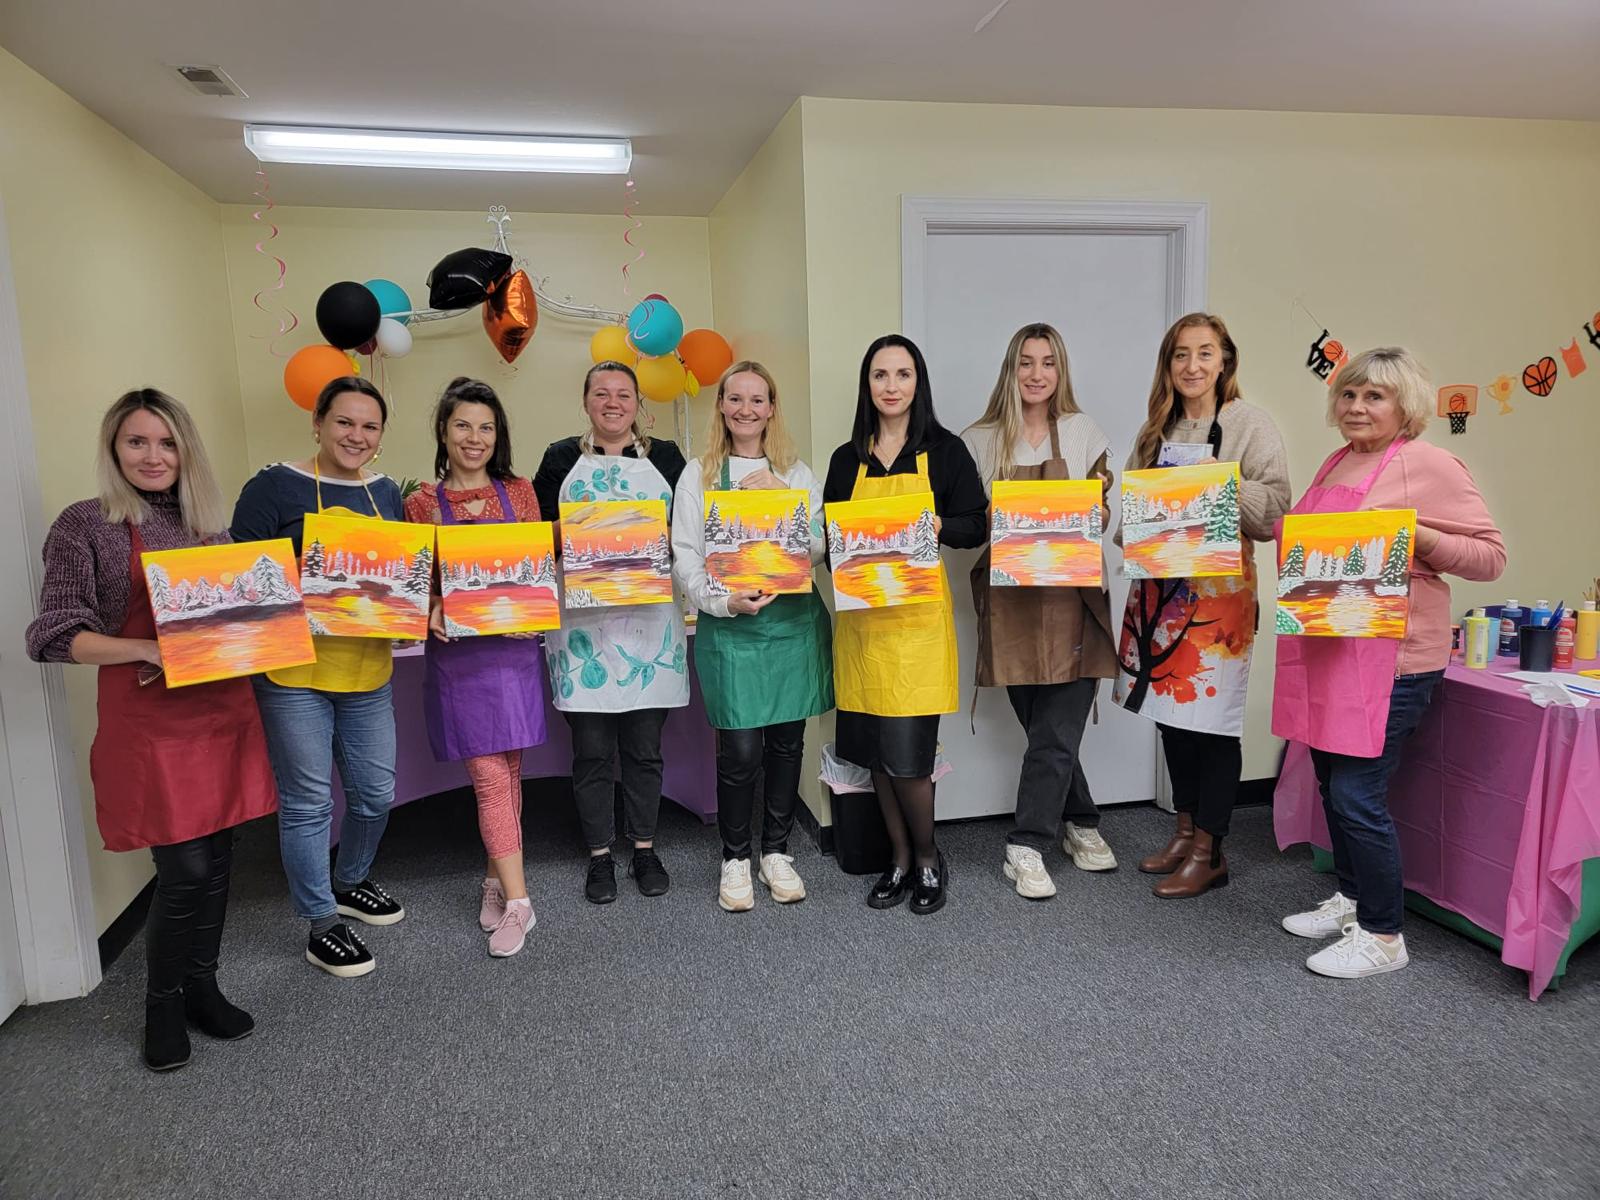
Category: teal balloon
[392,298]
[654,327]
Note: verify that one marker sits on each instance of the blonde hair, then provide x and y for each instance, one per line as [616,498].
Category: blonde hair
[1163,405]
[641,440]
[199,500]
[776,443]
[1392,367]
[1004,413]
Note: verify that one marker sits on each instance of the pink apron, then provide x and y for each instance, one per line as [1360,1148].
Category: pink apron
[1333,693]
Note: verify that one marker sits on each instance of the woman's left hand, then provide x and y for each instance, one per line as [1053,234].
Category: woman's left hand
[1427,540]
[762,480]
[938,524]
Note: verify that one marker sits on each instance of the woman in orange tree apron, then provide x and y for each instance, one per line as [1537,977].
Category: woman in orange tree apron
[1048,646]
[615,671]
[338,709]
[765,660]
[895,668]
[483,697]
[1356,700]
[1184,655]
[174,769]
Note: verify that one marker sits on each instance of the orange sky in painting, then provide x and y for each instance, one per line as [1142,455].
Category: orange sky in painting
[758,509]
[610,524]
[1178,484]
[1045,498]
[508,543]
[1334,533]
[362,535]
[880,516]
[219,564]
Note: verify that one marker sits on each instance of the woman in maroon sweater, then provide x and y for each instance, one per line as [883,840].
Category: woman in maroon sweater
[173,769]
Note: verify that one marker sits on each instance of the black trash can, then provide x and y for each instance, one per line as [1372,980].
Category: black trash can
[860,842]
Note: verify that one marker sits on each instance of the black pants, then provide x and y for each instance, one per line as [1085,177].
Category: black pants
[183,935]
[1205,775]
[773,752]
[1052,785]
[598,739]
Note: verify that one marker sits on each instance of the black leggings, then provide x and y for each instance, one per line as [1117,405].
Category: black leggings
[184,933]
[774,753]
[1205,775]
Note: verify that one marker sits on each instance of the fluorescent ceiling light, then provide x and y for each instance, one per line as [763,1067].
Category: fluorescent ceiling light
[441,151]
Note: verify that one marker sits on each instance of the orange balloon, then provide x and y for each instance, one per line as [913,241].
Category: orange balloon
[706,353]
[310,370]
[510,315]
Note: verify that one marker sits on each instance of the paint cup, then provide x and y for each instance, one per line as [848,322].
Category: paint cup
[1536,651]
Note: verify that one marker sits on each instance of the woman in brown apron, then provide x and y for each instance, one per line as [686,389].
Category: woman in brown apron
[174,769]
[1049,647]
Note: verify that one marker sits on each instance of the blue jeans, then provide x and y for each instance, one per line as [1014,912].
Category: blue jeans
[1355,796]
[307,732]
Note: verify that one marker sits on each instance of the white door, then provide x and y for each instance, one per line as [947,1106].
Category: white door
[1111,294]
[11,986]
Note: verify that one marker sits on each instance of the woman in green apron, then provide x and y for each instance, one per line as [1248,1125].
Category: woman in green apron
[764,660]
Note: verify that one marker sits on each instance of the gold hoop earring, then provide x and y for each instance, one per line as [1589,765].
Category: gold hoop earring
[377,454]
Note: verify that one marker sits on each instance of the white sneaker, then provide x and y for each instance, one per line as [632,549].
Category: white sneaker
[1088,850]
[778,873]
[736,894]
[1325,920]
[1359,954]
[1025,867]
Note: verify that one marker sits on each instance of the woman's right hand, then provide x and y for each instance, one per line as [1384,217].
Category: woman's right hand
[436,622]
[748,603]
[150,652]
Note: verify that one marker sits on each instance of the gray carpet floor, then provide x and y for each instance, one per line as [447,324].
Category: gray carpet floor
[1104,1044]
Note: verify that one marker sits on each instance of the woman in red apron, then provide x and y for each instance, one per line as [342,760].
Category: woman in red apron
[174,769]
[483,697]
[1355,701]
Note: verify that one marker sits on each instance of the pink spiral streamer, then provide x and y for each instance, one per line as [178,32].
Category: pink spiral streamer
[286,323]
[627,237]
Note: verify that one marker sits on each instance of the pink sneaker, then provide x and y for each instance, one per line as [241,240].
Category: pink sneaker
[512,932]
[494,906]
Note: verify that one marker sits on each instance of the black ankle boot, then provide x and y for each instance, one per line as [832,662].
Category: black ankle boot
[210,1012]
[166,1040]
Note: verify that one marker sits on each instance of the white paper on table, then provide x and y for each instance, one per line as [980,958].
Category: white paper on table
[1548,685]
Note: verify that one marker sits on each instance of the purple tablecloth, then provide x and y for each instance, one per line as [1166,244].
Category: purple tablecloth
[1497,803]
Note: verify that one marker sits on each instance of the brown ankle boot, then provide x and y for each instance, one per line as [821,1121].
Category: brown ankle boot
[1204,869]
[1169,858]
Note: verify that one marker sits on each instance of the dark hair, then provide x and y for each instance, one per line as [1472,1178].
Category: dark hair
[924,426]
[610,364]
[349,383]
[462,390]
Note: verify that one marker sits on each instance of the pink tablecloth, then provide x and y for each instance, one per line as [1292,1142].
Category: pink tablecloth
[1497,803]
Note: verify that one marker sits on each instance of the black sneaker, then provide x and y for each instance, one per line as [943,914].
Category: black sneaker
[340,952]
[368,903]
[649,874]
[601,886]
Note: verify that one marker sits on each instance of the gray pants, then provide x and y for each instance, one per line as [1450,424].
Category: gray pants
[598,740]
[1052,786]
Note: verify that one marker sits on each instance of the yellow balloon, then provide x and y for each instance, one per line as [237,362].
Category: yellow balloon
[691,384]
[661,379]
[611,344]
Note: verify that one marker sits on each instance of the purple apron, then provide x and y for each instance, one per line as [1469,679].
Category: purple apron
[482,695]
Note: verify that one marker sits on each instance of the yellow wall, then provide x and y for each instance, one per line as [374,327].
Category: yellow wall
[1473,242]
[121,283]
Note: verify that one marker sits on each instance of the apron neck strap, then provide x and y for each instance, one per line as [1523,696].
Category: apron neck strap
[726,480]
[1338,456]
[316,474]
[1055,440]
[447,517]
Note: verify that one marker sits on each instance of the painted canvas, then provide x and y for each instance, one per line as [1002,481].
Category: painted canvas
[1046,533]
[615,552]
[498,578]
[1181,522]
[226,611]
[884,552]
[366,578]
[758,540]
[1346,574]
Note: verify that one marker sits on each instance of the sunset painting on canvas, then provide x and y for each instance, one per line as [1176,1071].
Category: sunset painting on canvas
[758,541]
[884,552]
[1046,533]
[498,578]
[1346,574]
[226,611]
[615,552]
[367,578]
[1181,522]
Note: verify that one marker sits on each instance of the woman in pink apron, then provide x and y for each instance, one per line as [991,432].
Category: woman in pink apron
[174,769]
[483,697]
[1355,701]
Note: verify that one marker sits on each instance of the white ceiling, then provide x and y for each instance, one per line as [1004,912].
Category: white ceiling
[698,84]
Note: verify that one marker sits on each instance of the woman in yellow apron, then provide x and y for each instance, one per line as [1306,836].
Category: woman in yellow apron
[895,668]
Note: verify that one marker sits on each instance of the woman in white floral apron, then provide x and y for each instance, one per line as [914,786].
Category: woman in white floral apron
[615,671]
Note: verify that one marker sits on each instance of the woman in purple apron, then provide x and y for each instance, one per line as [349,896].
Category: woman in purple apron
[483,697]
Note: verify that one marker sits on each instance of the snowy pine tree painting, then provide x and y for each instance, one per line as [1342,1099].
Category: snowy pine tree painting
[367,578]
[1046,533]
[1181,522]
[1346,574]
[498,578]
[758,540]
[884,552]
[615,553]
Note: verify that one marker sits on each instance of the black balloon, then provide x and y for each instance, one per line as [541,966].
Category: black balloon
[466,277]
[348,315]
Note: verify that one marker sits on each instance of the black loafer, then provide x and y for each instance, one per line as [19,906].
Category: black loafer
[927,888]
[891,889]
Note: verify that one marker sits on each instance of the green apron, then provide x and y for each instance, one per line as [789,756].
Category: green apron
[765,668]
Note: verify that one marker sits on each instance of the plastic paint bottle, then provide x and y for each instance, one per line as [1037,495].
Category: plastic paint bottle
[1588,640]
[1539,614]
[1510,629]
[1478,634]
[1566,636]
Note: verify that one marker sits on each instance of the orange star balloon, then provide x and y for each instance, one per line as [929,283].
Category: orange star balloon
[510,315]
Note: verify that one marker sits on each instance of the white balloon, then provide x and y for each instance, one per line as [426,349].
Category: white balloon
[394,339]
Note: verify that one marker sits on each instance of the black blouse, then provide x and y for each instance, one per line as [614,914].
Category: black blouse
[959,499]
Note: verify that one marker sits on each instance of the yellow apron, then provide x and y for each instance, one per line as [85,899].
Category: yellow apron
[901,661]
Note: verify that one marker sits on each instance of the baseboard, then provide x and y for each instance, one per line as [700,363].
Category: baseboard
[1256,791]
[128,923]
[821,834]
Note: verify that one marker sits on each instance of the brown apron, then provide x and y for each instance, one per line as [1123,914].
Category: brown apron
[1039,634]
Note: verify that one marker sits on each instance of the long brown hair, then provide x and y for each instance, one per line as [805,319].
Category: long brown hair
[1163,404]
[776,443]
[1004,413]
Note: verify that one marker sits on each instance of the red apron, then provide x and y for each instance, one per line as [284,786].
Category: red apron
[172,764]
[1333,693]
